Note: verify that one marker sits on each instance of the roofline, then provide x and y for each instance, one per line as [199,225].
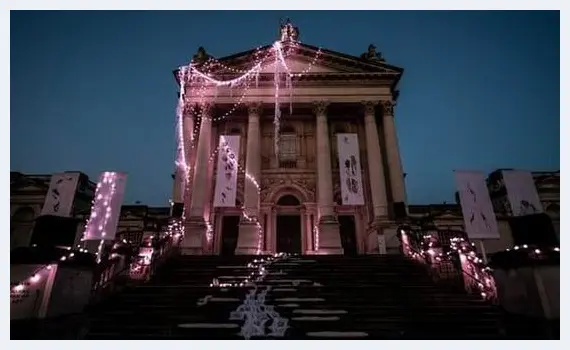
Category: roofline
[380,64]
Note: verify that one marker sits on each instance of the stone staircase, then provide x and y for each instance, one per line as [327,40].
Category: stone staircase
[321,297]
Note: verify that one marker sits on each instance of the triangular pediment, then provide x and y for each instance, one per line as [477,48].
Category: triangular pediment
[306,58]
[303,58]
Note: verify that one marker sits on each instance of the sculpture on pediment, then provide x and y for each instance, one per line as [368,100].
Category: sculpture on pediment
[371,54]
[288,31]
[201,56]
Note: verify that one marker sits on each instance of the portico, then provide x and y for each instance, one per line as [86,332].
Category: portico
[292,185]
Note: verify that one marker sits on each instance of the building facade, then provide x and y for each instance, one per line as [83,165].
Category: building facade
[290,182]
[295,200]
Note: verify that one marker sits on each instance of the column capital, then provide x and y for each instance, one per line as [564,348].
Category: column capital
[369,107]
[189,110]
[254,108]
[320,108]
[387,107]
[206,109]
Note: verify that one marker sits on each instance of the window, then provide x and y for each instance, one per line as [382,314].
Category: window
[288,148]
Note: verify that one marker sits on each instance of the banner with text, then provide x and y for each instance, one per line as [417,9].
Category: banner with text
[521,192]
[106,211]
[478,214]
[350,172]
[227,171]
[61,194]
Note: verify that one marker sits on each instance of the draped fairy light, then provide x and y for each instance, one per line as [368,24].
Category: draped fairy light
[202,75]
[472,265]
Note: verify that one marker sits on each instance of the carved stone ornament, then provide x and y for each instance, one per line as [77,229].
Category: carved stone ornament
[201,56]
[369,107]
[320,108]
[255,108]
[387,107]
[206,109]
[288,32]
[188,110]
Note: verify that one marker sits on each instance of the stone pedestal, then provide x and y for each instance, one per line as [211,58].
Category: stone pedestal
[382,238]
[329,237]
[194,233]
[248,239]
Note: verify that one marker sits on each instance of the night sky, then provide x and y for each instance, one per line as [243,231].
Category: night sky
[94,91]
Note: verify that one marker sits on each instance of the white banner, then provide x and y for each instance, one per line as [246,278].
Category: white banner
[521,193]
[227,171]
[350,172]
[478,214]
[61,194]
[106,210]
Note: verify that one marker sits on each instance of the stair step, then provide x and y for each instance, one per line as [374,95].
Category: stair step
[363,297]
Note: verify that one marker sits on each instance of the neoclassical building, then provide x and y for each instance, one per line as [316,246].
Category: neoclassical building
[297,201]
[291,193]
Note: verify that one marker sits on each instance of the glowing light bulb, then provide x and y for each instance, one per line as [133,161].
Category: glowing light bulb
[35,278]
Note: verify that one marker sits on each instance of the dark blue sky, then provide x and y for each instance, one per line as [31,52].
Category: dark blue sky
[94,91]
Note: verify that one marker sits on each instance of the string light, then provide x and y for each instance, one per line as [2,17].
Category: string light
[101,208]
[471,262]
[258,271]
[316,234]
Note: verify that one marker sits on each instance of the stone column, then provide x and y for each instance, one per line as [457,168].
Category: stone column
[248,231]
[308,231]
[180,183]
[375,164]
[393,150]
[377,178]
[196,226]
[329,236]
[272,231]
[189,145]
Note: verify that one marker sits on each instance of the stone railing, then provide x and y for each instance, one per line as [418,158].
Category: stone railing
[52,288]
[451,260]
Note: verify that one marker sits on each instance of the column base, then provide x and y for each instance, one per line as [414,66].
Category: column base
[248,239]
[194,232]
[382,238]
[329,237]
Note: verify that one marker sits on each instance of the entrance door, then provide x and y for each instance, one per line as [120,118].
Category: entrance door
[230,232]
[289,234]
[348,234]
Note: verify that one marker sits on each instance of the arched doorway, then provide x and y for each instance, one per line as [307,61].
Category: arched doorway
[288,225]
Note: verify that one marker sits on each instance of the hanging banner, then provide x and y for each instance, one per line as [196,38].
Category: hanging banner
[478,215]
[350,172]
[521,193]
[61,194]
[102,224]
[227,171]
